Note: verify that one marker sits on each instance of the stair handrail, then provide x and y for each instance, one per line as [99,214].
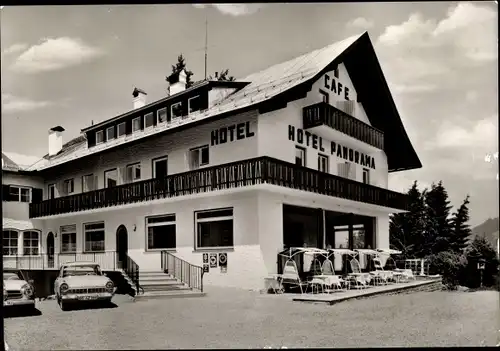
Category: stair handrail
[187,273]
[132,271]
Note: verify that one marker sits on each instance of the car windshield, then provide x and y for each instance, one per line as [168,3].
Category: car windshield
[82,270]
[11,276]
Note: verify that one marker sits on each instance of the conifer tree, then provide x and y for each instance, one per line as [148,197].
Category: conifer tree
[179,66]
[460,228]
[439,231]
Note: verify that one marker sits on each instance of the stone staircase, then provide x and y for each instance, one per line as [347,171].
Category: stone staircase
[159,285]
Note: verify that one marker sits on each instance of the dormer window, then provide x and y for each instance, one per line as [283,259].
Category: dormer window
[99,137]
[194,104]
[110,133]
[176,110]
[122,129]
[136,124]
[162,115]
[148,120]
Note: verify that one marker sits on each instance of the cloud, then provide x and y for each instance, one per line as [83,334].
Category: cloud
[11,103]
[471,96]
[360,22]
[55,54]
[15,48]
[412,88]
[234,9]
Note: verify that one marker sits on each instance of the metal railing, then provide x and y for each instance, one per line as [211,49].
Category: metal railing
[323,113]
[106,260]
[231,175]
[131,269]
[184,271]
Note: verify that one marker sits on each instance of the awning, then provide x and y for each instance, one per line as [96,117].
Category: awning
[367,251]
[343,251]
[8,223]
[389,251]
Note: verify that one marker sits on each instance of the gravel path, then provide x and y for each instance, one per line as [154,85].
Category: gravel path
[229,318]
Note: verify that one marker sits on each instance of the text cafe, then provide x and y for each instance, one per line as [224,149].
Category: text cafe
[303,137]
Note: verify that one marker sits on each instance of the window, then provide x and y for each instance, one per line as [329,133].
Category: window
[19,194]
[194,104]
[94,236]
[99,137]
[133,173]
[161,232]
[31,243]
[111,178]
[323,163]
[89,183]
[358,236]
[52,191]
[68,238]
[300,156]
[69,186]
[162,115]
[136,124]
[214,228]
[341,237]
[110,133]
[122,129]
[148,120]
[176,110]
[10,238]
[366,176]
[325,96]
[198,157]
[160,167]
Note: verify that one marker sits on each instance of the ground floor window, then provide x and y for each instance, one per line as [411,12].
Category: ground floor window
[161,232]
[68,238]
[214,228]
[94,236]
[10,242]
[31,243]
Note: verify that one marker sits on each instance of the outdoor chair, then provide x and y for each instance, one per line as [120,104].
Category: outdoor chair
[380,276]
[398,275]
[360,280]
[331,279]
[291,276]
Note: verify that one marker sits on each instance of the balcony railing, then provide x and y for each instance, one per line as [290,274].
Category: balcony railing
[227,176]
[106,260]
[325,114]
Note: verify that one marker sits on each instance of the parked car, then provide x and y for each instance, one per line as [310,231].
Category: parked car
[17,291]
[82,282]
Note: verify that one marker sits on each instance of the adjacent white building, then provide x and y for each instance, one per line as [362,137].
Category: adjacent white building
[297,154]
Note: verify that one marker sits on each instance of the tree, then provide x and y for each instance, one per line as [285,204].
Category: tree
[480,248]
[179,66]
[460,229]
[439,230]
[406,230]
[223,76]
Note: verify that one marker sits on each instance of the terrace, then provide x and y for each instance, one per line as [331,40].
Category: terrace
[246,173]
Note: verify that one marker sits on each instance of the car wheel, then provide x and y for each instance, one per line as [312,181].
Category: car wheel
[63,305]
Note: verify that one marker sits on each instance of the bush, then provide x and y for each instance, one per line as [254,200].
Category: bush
[449,265]
[470,277]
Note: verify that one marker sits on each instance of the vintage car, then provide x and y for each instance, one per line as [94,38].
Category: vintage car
[82,281]
[16,290]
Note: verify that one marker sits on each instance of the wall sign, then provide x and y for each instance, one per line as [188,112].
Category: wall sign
[213,260]
[205,258]
[333,85]
[223,259]
[303,137]
[206,268]
[230,133]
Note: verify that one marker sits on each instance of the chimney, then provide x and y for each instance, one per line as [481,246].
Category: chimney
[177,82]
[139,98]
[216,75]
[55,140]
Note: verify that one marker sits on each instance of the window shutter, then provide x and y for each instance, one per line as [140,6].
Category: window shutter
[36,195]
[5,192]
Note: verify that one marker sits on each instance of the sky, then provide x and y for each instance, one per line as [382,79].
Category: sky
[70,65]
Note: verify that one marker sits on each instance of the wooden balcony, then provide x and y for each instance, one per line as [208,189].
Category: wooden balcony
[323,114]
[261,170]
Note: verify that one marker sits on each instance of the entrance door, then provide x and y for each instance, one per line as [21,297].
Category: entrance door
[50,250]
[121,246]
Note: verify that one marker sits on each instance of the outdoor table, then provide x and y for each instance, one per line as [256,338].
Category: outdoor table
[325,277]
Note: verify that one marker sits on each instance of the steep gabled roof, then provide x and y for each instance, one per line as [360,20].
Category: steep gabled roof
[15,162]
[276,82]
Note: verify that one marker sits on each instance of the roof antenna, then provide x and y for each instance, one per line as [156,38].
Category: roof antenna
[92,122]
[206,47]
